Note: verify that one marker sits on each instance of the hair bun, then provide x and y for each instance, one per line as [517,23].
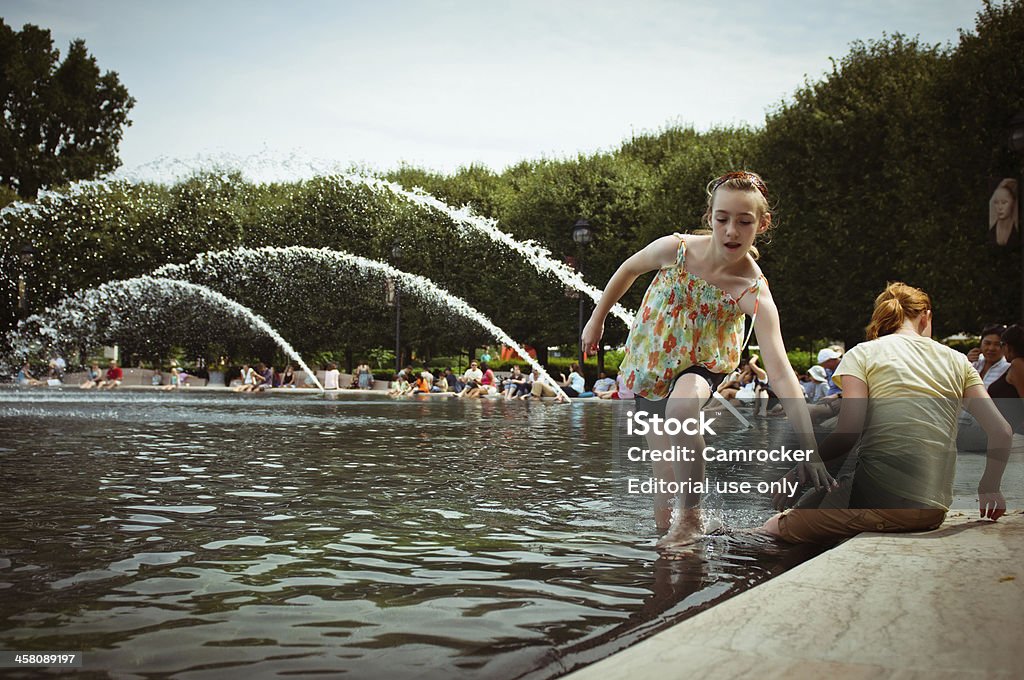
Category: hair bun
[895,304]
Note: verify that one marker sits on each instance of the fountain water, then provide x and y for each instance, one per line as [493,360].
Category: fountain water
[75,315]
[535,254]
[265,167]
[242,259]
[82,196]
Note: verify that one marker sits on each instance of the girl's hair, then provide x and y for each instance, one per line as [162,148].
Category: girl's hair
[1014,338]
[738,181]
[896,303]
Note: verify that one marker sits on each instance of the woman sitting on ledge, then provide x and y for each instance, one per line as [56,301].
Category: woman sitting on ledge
[902,392]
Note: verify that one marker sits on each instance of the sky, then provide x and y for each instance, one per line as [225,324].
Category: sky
[442,84]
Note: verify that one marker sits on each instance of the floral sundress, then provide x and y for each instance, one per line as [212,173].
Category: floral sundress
[683,321]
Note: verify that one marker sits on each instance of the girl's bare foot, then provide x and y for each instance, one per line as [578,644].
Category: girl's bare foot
[687,529]
[662,519]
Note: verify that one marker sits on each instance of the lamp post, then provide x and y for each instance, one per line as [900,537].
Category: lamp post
[1016,144]
[26,256]
[583,235]
[396,257]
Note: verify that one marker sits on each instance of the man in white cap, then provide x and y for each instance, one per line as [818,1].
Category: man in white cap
[828,406]
[828,359]
[818,388]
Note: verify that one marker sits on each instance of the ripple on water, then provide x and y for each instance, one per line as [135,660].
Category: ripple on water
[331,553]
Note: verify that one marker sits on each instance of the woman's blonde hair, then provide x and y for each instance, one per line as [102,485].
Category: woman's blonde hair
[895,304]
[739,181]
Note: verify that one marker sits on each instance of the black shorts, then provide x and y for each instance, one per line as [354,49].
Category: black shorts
[657,406]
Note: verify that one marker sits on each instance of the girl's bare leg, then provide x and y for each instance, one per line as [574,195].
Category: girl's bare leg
[690,393]
[662,470]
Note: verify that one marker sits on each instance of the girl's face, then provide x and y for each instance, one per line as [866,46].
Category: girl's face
[736,220]
[1002,200]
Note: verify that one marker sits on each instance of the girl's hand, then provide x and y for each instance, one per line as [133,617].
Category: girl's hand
[592,333]
[815,473]
[781,501]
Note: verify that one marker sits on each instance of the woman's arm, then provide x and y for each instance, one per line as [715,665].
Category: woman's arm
[786,386]
[1000,436]
[655,255]
[851,420]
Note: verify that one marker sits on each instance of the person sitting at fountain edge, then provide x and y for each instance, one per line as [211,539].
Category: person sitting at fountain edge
[574,385]
[454,384]
[331,377]
[989,360]
[471,379]
[988,357]
[94,376]
[603,384]
[400,387]
[906,456]
[114,376]
[26,379]
[688,334]
[266,377]
[515,384]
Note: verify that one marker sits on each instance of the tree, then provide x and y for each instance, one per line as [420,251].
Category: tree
[62,120]
[845,156]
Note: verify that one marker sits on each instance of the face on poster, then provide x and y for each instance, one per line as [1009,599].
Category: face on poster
[1003,213]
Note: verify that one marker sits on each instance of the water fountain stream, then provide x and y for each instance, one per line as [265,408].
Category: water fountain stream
[463,218]
[242,259]
[72,317]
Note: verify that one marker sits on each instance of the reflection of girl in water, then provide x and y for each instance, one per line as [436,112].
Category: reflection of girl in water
[1004,229]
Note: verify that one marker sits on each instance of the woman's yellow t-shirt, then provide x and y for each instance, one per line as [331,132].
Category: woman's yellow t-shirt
[915,389]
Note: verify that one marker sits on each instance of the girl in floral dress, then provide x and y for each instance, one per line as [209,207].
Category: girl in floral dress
[688,335]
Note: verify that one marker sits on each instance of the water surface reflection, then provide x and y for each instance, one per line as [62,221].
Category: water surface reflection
[206,536]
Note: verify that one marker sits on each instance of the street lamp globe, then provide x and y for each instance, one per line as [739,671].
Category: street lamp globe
[27,254]
[582,232]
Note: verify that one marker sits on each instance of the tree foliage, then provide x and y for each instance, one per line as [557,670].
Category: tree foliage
[878,171]
[62,120]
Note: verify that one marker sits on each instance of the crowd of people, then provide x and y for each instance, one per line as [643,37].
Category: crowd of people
[479,381]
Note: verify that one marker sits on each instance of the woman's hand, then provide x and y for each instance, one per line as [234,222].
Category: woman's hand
[992,504]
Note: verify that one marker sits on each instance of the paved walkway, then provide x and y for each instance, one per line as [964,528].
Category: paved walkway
[943,604]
